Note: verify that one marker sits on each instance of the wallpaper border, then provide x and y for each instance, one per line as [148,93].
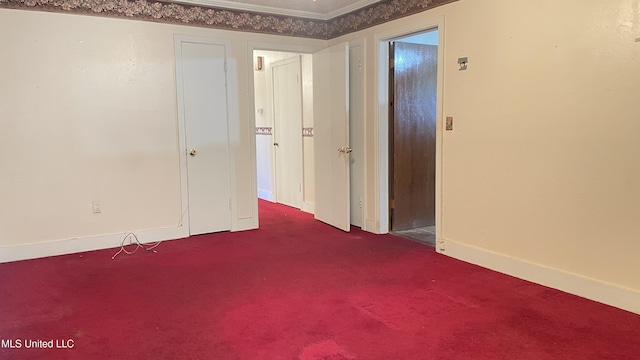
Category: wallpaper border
[378,13]
[227,19]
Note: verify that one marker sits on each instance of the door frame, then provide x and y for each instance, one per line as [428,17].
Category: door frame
[364,156]
[381,120]
[265,46]
[233,123]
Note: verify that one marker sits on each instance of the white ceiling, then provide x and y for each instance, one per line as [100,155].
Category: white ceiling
[319,9]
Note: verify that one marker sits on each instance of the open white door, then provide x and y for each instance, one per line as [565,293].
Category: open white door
[331,135]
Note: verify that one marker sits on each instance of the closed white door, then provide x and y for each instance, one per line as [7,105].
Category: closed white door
[204,102]
[331,135]
[287,111]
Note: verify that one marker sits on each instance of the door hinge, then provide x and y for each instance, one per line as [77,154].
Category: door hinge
[298,78]
[225,66]
[229,204]
[441,245]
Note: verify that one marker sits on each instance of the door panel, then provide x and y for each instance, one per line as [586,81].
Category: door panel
[331,133]
[413,135]
[287,110]
[206,125]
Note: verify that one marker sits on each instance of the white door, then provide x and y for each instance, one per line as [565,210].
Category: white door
[331,135]
[204,103]
[287,112]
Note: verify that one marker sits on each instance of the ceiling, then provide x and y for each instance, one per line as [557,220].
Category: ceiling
[319,9]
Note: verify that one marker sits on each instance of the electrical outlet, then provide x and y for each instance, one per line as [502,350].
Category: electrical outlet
[96,207]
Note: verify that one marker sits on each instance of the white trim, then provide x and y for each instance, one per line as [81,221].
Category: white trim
[362,43]
[235,5]
[381,117]
[307,207]
[600,291]
[283,47]
[249,223]
[182,141]
[89,243]
[369,225]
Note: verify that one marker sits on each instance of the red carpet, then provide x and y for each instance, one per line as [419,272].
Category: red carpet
[296,289]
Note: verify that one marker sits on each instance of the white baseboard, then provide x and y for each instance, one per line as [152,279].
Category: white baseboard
[370,226]
[245,224]
[89,243]
[606,293]
[307,207]
[265,195]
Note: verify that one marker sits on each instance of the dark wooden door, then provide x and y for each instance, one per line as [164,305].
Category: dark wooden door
[412,135]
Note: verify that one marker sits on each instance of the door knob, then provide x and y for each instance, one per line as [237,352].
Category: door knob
[276,144]
[193,152]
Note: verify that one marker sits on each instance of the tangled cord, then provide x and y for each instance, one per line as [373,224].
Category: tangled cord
[137,243]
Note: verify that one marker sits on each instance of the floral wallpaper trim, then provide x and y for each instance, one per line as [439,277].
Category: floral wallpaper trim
[228,19]
[159,11]
[264,131]
[378,13]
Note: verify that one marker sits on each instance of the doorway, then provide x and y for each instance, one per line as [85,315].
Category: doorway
[267,128]
[284,123]
[412,86]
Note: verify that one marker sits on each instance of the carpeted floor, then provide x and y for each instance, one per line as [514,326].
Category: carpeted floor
[296,289]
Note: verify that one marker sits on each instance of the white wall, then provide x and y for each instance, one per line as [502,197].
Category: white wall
[541,175]
[89,114]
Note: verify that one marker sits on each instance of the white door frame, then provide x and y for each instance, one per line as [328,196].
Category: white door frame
[266,46]
[381,117]
[233,125]
[363,155]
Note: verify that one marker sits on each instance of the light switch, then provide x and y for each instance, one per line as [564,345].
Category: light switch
[462,63]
